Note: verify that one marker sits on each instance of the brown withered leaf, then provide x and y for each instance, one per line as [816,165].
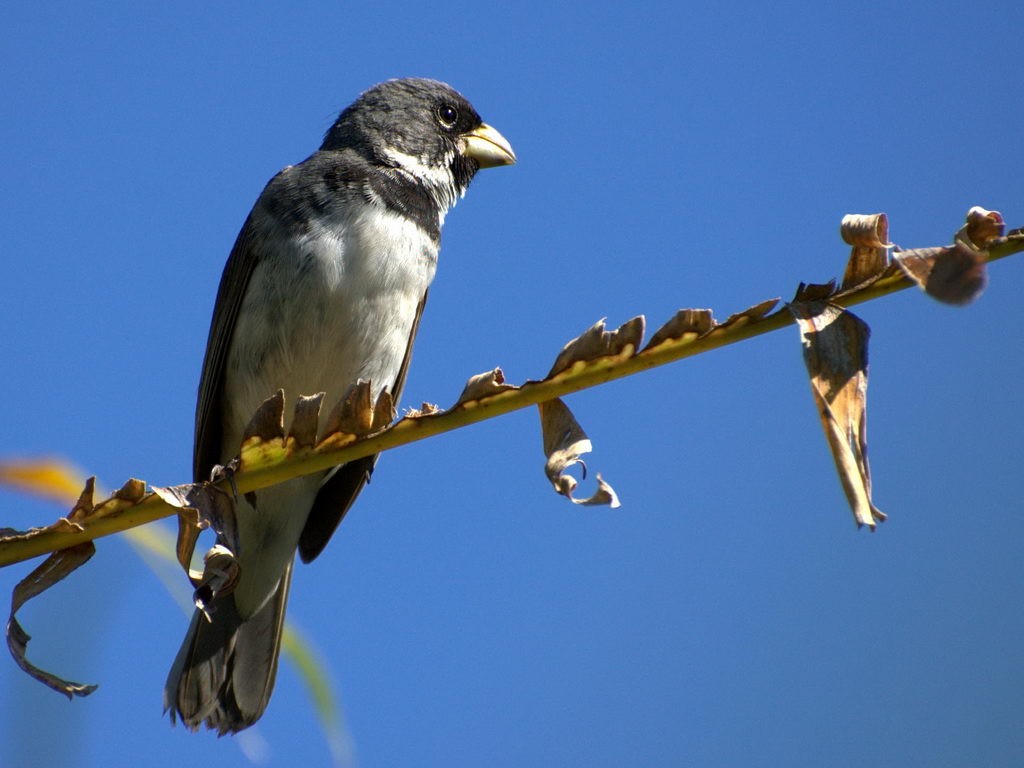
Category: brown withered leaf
[426,409]
[200,506]
[869,236]
[954,274]
[749,315]
[353,413]
[52,570]
[190,524]
[306,421]
[357,414]
[13,535]
[55,568]
[980,228]
[267,423]
[596,343]
[383,412]
[133,491]
[692,323]
[815,291]
[564,441]
[263,437]
[481,386]
[835,344]
[71,522]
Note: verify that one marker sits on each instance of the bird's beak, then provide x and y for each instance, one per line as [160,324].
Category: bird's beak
[488,147]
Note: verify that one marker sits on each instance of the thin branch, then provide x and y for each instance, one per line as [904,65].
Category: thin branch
[130,509]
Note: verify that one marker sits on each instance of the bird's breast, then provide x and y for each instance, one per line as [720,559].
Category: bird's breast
[325,309]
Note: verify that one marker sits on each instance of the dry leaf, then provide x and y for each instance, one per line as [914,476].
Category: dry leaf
[815,291]
[981,228]
[688,323]
[835,344]
[426,409]
[596,343]
[123,501]
[953,275]
[357,414]
[263,437]
[479,387]
[200,506]
[869,236]
[305,423]
[956,274]
[564,441]
[56,567]
[52,570]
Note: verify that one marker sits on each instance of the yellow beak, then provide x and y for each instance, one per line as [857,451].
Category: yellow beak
[488,147]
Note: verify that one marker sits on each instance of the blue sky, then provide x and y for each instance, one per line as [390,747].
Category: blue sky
[729,613]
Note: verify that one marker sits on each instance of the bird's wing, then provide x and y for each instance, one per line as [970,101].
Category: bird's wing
[209,405]
[339,491]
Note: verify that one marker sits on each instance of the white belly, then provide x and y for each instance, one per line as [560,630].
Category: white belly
[321,313]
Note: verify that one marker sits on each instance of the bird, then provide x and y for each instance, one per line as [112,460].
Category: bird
[324,287]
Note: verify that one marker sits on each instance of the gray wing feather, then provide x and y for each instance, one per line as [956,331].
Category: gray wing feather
[237,272]
[224,672]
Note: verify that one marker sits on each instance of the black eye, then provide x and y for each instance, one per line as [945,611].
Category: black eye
[447,114]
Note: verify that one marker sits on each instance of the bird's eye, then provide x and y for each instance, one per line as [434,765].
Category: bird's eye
[447,114]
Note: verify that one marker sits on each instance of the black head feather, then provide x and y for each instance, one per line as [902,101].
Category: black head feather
[412,118]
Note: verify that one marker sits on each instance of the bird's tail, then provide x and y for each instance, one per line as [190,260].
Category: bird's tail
[224,673]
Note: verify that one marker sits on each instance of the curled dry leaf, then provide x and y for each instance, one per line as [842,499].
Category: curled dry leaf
[52,570]
[481,386]
[596,343]
[55,568]
[604,495]
[869,236]
[132,492]
[305,423]
[200,506]
[835,344]
[865,230]
[980,228]
[956,274]
[564,441]
[190,522]
[953,275]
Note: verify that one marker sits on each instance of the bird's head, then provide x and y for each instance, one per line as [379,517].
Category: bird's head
[421,128]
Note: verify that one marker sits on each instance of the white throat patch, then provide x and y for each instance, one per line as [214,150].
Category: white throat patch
[437,178]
